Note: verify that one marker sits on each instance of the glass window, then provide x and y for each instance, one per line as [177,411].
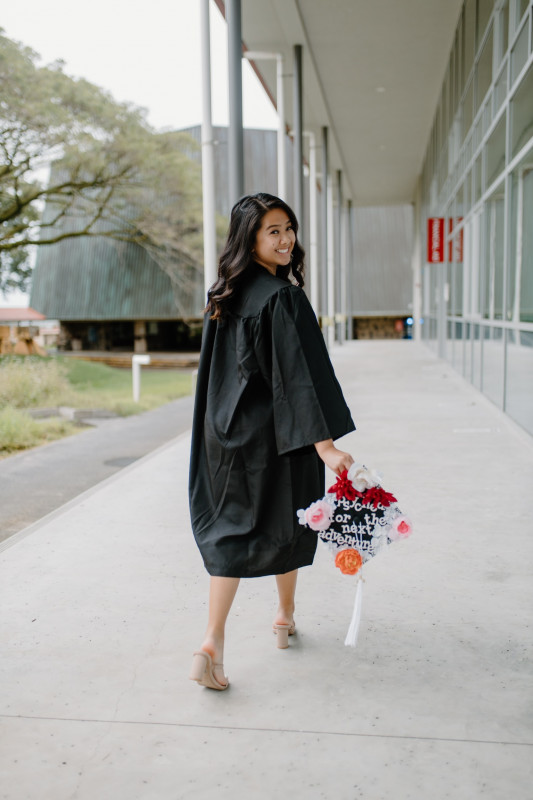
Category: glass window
[457,286]
[459,207]
[519,53]
[522,113]
[469,36]
[468,192]
[524,238]
[522,7]
[484,71]
[468,110]
[457,351]
[493,365]
[496,151]
[476,355]
[500,89]
[484,10]
[478,176]
[493,258]
[459,77]
[467,366]
[519,378]
[502,32]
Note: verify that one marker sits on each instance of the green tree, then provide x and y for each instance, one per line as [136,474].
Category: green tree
[94,166]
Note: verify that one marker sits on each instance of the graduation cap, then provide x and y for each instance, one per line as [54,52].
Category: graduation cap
[356,520]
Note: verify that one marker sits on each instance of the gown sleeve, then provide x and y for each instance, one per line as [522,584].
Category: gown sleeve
[308,403]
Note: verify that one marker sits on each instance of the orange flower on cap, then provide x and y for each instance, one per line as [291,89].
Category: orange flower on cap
[348,561]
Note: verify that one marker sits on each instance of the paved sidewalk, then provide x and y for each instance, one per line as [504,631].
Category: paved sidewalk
[103,602]
[38,481]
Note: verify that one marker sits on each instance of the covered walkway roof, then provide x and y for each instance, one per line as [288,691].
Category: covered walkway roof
[372,73]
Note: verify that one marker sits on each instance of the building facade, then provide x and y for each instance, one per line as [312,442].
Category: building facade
[477,305]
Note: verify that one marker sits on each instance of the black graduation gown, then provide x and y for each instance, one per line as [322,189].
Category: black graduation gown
[266,392]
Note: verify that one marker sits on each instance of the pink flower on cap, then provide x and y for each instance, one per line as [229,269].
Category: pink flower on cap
[319,515]
[401,528]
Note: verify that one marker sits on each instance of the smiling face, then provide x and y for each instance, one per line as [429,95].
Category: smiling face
[274,241]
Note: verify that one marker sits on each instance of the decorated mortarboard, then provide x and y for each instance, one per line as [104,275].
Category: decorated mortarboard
[356,519]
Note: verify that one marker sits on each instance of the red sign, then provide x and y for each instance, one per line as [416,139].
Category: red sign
[436,240]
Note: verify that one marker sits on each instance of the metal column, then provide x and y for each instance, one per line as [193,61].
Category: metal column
[331,264]
[416,264]
[339,266]
[313,224]
[350,256]
[208,156]
[298,133]
[235,132]
[324,212]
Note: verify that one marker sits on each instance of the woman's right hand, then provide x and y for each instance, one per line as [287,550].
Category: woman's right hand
[337,460]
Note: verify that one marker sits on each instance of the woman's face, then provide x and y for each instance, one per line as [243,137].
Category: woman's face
[274,241]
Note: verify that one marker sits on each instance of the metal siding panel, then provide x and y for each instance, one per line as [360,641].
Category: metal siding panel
[381,272]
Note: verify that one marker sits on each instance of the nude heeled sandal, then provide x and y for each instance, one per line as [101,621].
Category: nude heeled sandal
[283,632]
[203,671]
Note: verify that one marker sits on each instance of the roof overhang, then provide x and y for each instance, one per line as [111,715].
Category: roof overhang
[372,73]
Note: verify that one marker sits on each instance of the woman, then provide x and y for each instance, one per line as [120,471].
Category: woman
[268,407]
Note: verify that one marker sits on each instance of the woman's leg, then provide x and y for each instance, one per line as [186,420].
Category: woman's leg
[221,594]
[286,591]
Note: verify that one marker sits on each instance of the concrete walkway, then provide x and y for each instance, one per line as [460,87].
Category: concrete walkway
[38,481]
[103,602]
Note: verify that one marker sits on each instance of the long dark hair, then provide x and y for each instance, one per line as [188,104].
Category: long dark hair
[245,221]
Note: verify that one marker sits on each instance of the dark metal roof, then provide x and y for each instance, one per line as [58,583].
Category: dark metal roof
[95,278]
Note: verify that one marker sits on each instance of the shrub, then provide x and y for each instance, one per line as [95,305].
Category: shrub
[32,381]
[18,430]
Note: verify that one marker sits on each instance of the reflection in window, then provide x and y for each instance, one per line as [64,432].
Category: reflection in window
[493,272]
[522,113]
[493,365]
[496,151]
[484,10]
[484,72]
[502,32]
[500,90]
[478,175]
[469,36]
[519,53]
[519,375]
[520,280]
[467,110]
[525,233]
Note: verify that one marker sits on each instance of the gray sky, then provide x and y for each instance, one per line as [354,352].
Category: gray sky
[145,53]
[148,54]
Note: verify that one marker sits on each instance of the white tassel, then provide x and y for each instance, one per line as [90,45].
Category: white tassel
[353,630]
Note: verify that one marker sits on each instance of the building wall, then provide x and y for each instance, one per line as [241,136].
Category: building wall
[478,175]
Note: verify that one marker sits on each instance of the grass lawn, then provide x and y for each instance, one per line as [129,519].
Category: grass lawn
[99,386]
[33,382]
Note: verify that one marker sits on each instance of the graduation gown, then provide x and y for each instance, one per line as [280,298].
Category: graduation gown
[266,392]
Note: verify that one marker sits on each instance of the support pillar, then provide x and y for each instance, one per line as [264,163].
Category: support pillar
[208,156]
[339,266]
[416,264]
[331,264]
[313,224]
[325,232]
[235,131]
[298,134]
[350,270]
